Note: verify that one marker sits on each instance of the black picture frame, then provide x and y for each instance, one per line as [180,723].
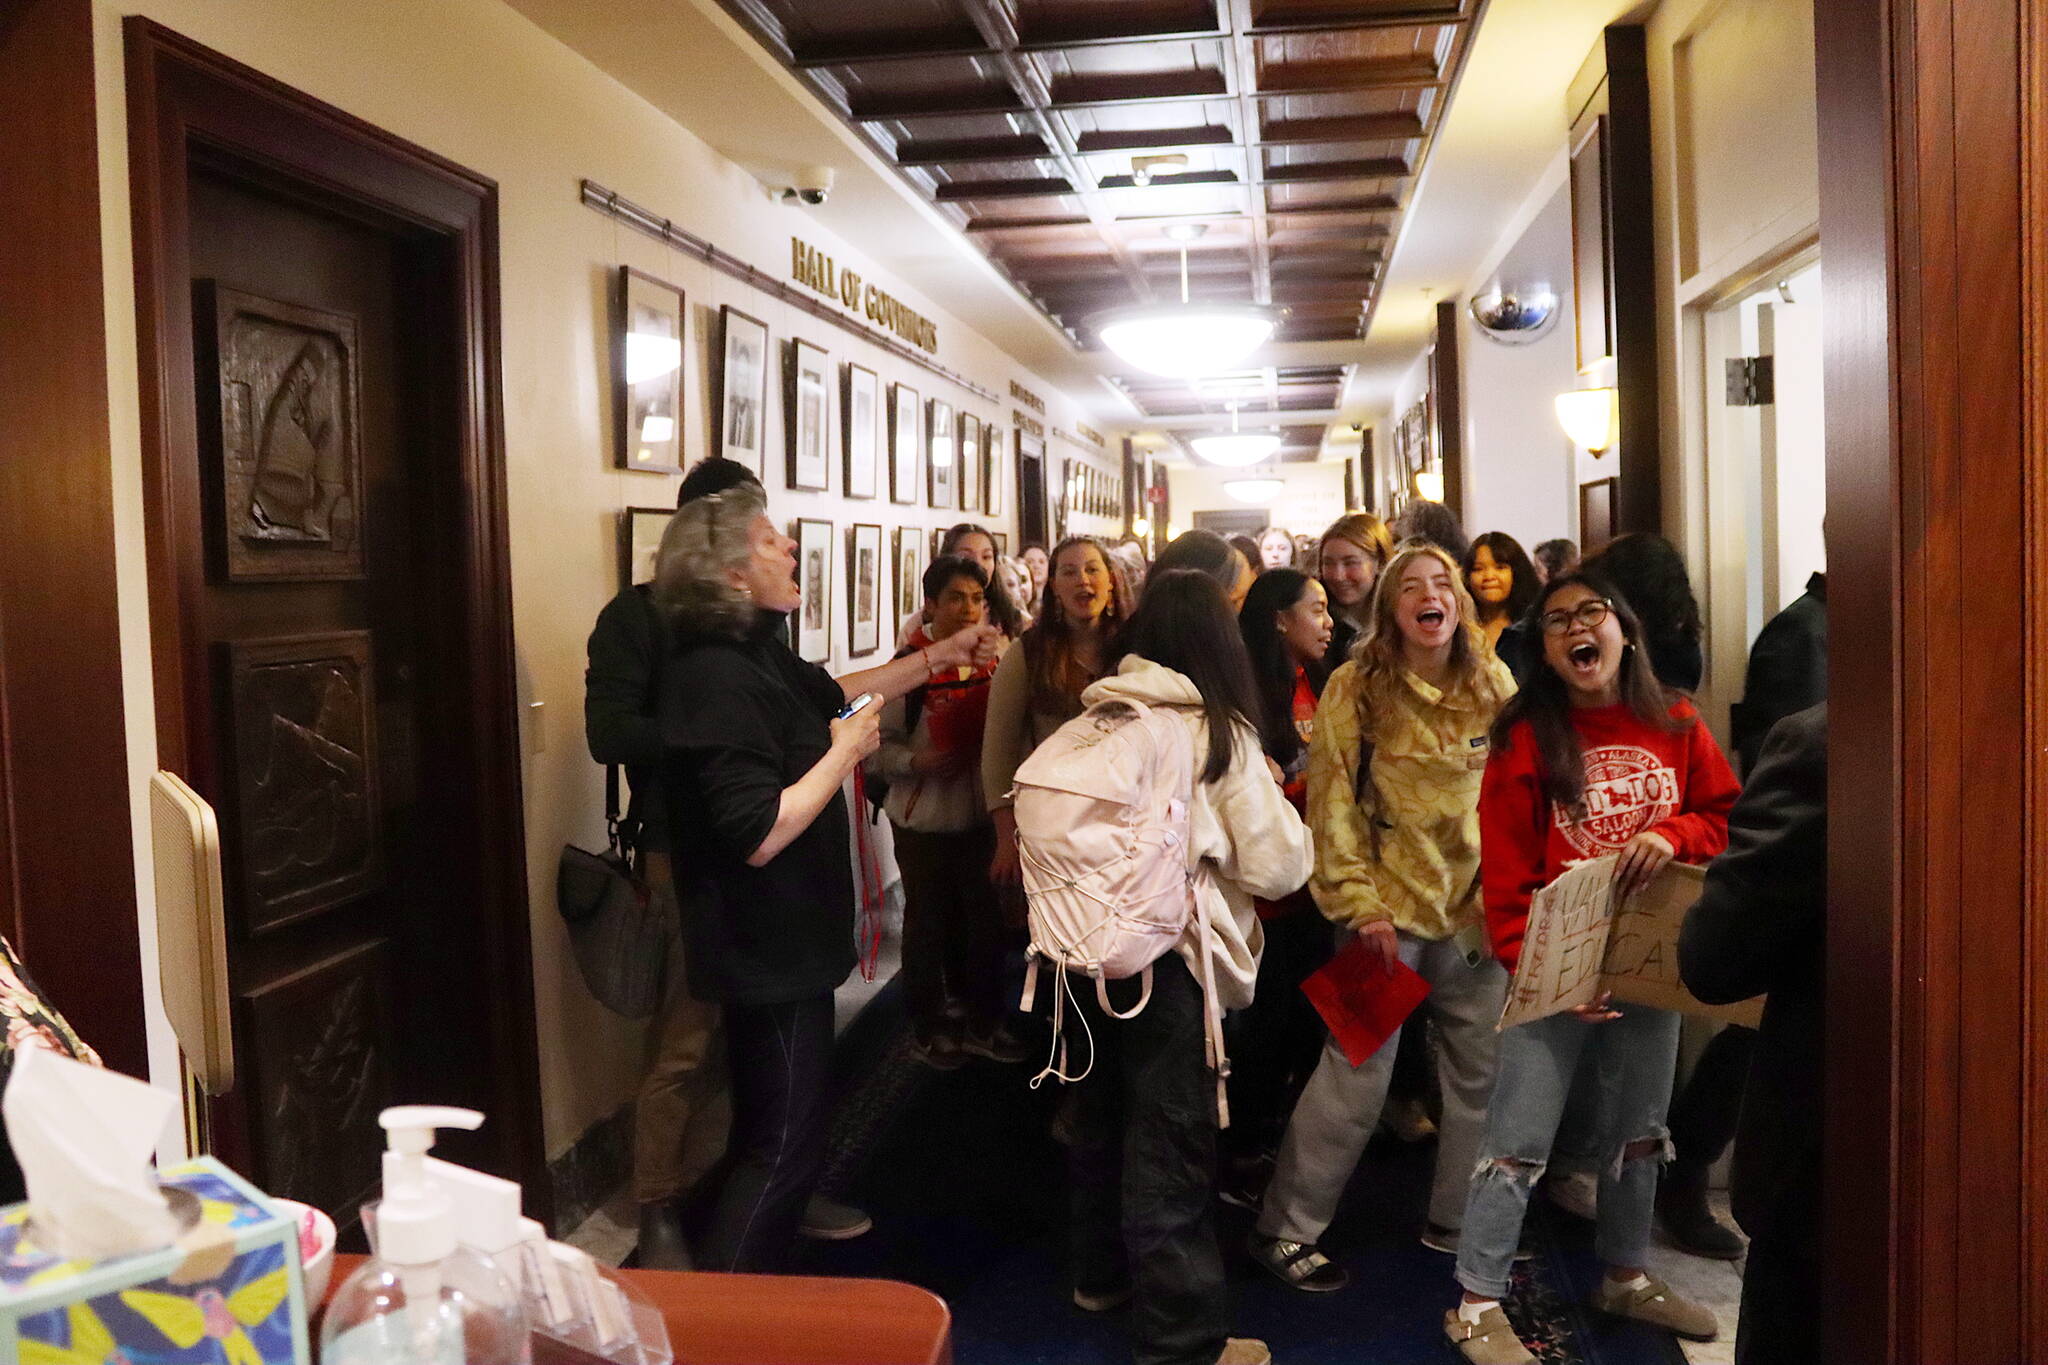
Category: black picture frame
[640,533]
[905,411]
[647,408]
[861,441]
[865,626]
[807,416]
[742,414]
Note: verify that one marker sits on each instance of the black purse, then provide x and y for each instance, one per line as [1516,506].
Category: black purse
[617,930]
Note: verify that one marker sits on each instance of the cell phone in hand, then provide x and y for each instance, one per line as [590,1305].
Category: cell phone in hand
[857,705]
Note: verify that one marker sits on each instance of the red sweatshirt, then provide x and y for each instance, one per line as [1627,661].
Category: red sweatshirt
[1638,777]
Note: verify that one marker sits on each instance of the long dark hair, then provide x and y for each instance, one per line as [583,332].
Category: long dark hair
[1057,678]
[1522,576]
[1546,703]
[1652,572]
[1184,624]
[1424,519]
[1001,609]
[1273,667]
[1206,552]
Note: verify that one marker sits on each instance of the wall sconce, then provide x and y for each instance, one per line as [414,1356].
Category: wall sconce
[1429,484]
[1591,417]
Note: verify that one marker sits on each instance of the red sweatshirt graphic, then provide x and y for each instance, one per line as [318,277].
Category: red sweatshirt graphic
[1638,777]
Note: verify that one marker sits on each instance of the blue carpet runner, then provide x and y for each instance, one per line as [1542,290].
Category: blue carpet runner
[968,1193]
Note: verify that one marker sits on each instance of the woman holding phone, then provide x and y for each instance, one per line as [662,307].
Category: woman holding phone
[1593,757]
[756,745]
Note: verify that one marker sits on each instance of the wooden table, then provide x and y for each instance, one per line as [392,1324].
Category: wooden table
[787,1319]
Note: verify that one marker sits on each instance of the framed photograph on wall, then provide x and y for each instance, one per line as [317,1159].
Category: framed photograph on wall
[938,543]
[806,418]
[864,580]
[991,469]
[743,388]
[861,410]
[1002,539]
[814,577]
[903,462]
[640,532]
[941,457]
[970,462]
[647,373]
[1036,523]
[909,570]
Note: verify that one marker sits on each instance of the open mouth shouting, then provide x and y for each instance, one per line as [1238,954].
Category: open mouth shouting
[1584,657]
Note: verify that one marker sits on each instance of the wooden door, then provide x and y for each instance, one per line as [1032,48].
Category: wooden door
[332,617]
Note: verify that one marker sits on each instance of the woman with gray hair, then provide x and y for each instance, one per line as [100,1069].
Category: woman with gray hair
[757,745]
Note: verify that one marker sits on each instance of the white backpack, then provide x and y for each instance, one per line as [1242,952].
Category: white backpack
[1102,810]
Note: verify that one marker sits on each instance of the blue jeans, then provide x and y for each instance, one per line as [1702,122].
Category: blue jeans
[1634,1056]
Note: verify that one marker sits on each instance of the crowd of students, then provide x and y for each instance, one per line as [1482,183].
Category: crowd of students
[1399,738]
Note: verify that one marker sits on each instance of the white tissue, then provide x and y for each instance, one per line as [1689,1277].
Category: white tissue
[84,1137]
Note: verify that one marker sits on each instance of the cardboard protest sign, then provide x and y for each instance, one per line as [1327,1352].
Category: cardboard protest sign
[1577,946]
[1641,963]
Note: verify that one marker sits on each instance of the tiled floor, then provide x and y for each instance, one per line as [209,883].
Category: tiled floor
[1716,1284]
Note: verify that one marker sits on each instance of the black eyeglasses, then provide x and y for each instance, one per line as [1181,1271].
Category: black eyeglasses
[1588,614]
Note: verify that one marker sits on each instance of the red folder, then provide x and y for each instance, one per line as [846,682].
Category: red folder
[1361,1001]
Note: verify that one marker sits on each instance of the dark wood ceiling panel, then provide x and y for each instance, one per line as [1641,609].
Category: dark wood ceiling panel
[1291,131]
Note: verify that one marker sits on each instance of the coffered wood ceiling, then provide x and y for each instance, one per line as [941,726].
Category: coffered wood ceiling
[1303,124]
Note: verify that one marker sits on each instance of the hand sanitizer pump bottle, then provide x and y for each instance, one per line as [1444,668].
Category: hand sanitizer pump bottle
[423,1299]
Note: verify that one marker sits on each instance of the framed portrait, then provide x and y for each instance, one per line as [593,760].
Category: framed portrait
[1037,522]
[804,421]
[938,543]
[647,373]
[909,570]
[861,410]
[970,462]
[903,462]
[742,388]
[864,576]
[814,578]
[1002,539]
[640,532]
[941,457]
[991,469]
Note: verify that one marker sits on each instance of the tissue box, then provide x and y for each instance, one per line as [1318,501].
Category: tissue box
[228,1292]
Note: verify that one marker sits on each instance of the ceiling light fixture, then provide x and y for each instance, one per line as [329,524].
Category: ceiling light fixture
[1257,492]
[1591,417]
[1144,167]
[1186,340]
[1234,449]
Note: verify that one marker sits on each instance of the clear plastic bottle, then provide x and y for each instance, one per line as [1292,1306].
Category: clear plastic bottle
[422,1299]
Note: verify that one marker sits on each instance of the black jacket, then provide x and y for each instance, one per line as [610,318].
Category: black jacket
[1760,928]
[1788,670]
[740,721]
[629,651]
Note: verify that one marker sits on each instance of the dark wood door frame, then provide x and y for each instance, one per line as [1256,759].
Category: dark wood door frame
[67,876]
[1932,221]
[186,101]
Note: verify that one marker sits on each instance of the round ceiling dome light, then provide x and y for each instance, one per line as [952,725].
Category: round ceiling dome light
[1256,492]
[1235,449]
[1187,340]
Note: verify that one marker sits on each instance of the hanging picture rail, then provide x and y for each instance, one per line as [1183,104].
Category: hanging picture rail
[644,220]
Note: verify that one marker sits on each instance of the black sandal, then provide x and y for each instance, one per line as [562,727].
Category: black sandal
[1298,1265]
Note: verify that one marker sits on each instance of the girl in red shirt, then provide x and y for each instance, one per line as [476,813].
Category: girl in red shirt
[1594,756]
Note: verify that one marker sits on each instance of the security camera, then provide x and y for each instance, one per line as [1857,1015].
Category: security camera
[813,186]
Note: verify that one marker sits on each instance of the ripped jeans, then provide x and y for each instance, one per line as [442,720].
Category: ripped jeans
[1634,1055]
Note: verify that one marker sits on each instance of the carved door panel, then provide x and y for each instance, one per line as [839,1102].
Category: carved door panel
[323,629]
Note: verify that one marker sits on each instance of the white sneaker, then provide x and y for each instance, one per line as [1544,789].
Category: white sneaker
[1576,1192]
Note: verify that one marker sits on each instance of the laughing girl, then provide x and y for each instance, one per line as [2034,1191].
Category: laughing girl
[1594,756]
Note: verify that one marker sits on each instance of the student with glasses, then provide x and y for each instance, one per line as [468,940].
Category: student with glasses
[1593,757]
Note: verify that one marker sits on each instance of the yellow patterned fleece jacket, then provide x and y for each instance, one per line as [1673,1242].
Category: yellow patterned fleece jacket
[1419,868]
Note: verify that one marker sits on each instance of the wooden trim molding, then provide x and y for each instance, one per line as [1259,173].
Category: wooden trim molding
[1447,382]
[1931,223]
[67,874]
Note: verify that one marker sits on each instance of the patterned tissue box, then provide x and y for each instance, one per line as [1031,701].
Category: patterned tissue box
[227,1292]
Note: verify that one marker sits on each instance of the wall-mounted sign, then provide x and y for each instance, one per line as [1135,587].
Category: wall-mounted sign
[1089,433]
[1026,397]
[1028,422]
[814,270]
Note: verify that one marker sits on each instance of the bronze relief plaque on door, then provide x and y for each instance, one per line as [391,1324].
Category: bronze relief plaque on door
[278,393]
[305,774]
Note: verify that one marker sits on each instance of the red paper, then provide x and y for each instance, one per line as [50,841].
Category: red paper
[1361,1001]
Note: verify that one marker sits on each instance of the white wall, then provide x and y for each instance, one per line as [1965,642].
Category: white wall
[1519,465]
[1313,497]
[477,83]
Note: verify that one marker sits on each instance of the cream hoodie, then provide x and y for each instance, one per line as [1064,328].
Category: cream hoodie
[1246,839]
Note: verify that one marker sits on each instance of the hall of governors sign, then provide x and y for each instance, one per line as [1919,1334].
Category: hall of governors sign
[814,270]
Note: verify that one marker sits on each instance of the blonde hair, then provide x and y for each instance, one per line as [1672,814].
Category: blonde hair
[706,540]
[1378,651]
[1364,530]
